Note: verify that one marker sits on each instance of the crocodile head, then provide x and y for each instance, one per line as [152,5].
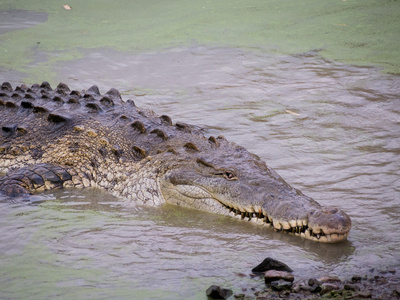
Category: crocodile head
[237,183]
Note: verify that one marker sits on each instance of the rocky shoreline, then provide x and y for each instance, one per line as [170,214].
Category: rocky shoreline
[280,283]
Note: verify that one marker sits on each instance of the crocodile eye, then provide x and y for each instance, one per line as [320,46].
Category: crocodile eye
[229,175]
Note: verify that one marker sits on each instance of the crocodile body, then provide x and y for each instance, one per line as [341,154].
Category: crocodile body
[62,138]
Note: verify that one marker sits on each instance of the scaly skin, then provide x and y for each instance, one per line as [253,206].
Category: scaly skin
[61,138]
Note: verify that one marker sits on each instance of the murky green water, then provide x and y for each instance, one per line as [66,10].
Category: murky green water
[263,80]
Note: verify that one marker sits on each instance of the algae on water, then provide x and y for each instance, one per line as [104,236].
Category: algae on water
[363,32]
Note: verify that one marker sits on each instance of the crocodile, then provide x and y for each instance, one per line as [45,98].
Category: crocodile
[62,138]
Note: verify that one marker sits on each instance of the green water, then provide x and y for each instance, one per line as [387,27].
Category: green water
[363,32]
[328,127]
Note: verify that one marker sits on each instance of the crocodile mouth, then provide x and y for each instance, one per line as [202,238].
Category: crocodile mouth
[299,228]
[309,227]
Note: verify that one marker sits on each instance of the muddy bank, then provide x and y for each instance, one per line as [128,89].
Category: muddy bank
[382,286]
[274,280]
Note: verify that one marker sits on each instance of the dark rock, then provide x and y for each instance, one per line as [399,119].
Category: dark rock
[328,287]
[296,287]
[356,278]
[363,294]
[315,288]
[239,296]
[334,295]
[396,291]
[216,292]
[350,287]
[281,285]
[273,275]
[305,288]
[382,280]
[346,294]
[271,264]
[313,281]
[330,279]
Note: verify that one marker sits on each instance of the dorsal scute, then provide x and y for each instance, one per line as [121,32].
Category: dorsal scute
[26,104]
[213,141]
[107,102]
[75,93]
[139,126]
[57,118]
[94,90]
[10,104]
[114,93]
[22,88]
[46,86]
[93,107]
[160,133]
[62,108]
[6,86]
[166,120]
[58,99]
[9,129]
[62,89]
[16,96]
[191,146]
[40,109]
[29,96]
[138,152]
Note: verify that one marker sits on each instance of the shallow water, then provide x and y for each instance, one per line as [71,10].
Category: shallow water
[332,130]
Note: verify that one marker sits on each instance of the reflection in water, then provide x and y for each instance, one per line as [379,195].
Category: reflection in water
[329,129]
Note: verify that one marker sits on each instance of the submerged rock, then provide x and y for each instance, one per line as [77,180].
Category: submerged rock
[281,285]
[313,281]
[330,279]
[271,264]
[216,292]
[315,288]
[328,287]
[350,287]
[274,275]
[239,296]
[362,294]
[356,278]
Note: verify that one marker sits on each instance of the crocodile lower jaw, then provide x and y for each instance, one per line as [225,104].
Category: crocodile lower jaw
[302,231]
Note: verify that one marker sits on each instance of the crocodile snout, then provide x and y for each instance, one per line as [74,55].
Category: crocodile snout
[329,220]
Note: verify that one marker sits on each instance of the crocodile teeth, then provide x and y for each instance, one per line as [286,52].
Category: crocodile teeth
[316,230]
[285,225]
[277,225]
[296,227]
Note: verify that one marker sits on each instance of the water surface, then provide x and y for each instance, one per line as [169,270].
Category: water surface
[330,129]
